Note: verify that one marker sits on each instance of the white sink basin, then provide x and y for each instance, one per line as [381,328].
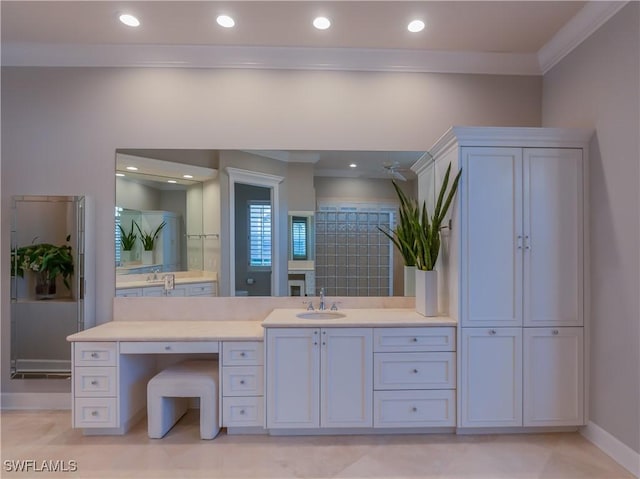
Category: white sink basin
[320,315]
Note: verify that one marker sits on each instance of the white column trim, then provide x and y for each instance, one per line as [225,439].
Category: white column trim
[613,447]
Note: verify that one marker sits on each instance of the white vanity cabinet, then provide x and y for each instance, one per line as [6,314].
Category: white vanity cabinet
[204,288]
[512,271]
[521,230]
[319,377]
[491,377]
[553,376]
[242,384]
[414,377]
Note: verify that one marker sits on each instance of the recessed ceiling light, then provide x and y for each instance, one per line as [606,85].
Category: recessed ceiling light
[129,20]
[132,168]
[353,165]
[171,181]
[188,177]
[321,23]
[415,26]
[225,21]
[119,174]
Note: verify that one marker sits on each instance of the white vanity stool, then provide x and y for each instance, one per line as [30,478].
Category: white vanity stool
[168,393]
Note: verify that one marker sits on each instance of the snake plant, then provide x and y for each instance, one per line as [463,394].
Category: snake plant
[149,239]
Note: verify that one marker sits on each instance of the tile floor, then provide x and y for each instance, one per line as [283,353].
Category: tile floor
[47,435]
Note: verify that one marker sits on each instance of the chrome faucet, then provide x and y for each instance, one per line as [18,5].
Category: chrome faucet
[322,306]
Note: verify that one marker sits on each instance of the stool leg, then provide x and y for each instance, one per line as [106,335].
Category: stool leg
[163,413]
[209,426]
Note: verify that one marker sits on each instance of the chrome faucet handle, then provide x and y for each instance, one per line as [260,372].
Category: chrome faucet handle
[309,305]
[334,305]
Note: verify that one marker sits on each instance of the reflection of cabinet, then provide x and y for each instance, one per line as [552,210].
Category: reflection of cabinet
[319,377]
[205,288]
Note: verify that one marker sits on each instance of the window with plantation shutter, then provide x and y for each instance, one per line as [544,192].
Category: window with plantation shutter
[299,238]
[118,235]
[260,234]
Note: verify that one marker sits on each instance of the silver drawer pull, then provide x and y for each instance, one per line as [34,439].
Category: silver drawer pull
[167,348]
[414,409]
[415,371]
[94,355]
[94,413]
[94,383]
[242,381]
[492,332]
[555,332]
[241,411]
[415,340]
[243,354]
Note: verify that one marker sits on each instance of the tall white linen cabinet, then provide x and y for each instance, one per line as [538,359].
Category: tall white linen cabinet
[512,272]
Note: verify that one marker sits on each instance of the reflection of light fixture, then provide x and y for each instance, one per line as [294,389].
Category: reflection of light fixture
[225,21]
[119,174]
[132,168]
[129,20]
[321,23]
[353,165]
[171,181]
[188,177]
[415,26]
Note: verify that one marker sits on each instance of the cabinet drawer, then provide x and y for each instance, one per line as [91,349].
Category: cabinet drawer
[95,354]
[243,381]
[388,340]
[168,347]
[414,408]
[242,353]
[414,371]
[93,382]
[205,289]
[243,411]
[128,292]
[95,412]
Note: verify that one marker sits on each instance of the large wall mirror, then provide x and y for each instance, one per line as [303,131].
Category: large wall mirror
[258,222]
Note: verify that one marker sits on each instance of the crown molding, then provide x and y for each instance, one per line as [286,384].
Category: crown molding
[592,16]
[298,58]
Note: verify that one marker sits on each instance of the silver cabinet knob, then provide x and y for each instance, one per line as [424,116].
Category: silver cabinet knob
[315,343]
[414,409]
[554,332]
[94,355]
[242,381]
[414,340]
[243,354]
[167,348]
[492,332]
[94,383]
[94,413]
[415,371]
[241,411]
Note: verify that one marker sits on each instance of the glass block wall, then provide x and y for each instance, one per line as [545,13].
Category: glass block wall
[353,258]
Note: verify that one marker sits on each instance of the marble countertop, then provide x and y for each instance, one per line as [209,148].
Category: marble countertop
[287,318]
[146,284]
[172,331]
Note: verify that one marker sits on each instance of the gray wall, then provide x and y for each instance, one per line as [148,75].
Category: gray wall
[61,127]
[597,86]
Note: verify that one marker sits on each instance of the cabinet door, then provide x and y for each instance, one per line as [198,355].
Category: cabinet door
[491,256]
[553,377]
[491,377]
[347,377]
[553,234]
[293,378]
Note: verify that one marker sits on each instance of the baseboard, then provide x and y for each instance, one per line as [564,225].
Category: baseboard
[35,401]
[619,452]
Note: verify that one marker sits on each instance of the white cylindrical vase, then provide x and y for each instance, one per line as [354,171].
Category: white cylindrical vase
[147,257]
[427,292]
[409,280]
[126,256]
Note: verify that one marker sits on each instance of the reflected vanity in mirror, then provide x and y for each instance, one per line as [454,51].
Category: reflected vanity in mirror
[51,282]
[326,210]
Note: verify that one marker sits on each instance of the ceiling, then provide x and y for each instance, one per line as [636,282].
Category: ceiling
[504,36]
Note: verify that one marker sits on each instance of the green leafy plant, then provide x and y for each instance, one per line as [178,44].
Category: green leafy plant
[403,235]
[44,259]
[127,240]
[418,234]
[149,239]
